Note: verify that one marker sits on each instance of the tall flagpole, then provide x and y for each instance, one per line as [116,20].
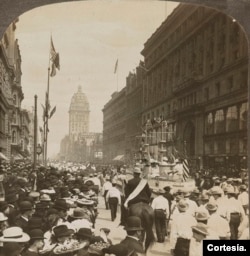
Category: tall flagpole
[46,117]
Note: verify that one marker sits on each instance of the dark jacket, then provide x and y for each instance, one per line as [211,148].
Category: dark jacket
[143,196]
[133,245]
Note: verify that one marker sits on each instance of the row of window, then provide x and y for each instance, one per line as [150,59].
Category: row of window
[232,146]
[230,119]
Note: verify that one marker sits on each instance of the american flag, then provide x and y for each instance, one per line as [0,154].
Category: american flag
[186,172]
[54,58]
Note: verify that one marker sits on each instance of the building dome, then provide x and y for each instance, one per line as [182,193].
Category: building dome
[79,101]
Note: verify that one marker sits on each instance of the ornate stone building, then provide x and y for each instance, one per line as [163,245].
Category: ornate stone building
[13,119]
[197,79]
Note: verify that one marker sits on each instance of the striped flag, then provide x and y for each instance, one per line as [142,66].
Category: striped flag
[186,172]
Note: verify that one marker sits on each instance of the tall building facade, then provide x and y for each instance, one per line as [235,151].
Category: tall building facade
[13,119]
[196,82]
[80,145]
[197,79]
[114,127]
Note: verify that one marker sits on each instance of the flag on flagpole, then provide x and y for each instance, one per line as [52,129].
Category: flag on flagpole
[52,112]
[116,66]
[186,172]
[54,58]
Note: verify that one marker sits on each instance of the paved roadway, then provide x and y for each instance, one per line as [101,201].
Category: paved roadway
[118,233]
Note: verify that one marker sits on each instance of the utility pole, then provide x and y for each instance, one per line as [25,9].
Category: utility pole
[35,133]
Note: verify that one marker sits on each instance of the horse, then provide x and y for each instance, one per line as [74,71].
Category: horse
[146,213]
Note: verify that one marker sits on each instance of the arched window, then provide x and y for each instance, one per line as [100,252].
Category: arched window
[219,121]
[243,116]
[209,124]
[232,120]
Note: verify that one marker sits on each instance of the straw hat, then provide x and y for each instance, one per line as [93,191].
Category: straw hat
[201,228]
[14,234]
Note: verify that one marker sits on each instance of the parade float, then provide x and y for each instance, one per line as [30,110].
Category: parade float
[162,174]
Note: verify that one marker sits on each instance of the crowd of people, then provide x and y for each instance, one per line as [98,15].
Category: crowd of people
[51,211]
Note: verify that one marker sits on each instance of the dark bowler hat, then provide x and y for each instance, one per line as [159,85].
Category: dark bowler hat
[133,224]
[62,230]
[35,222]
[36,234]
[61,204]
[41,206]
[84,233]
[25,205]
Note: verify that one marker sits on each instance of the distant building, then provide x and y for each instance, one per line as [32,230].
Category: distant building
[80,145]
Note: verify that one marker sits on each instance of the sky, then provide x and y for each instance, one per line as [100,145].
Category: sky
[89,37]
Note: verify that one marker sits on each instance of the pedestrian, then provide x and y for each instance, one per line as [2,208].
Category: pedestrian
[217,223]
[105,188]
[199,234]
[160,206]
[234,213]
[243,197]
[36,243]
[137,189]
[134,236]
[114,199]
[26,209]
[181,231]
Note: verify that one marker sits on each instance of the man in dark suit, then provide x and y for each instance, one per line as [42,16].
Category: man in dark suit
[26,210]
[134,234]
[144,195]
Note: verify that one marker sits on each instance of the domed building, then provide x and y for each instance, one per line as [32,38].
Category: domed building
[80,145]
[78,115]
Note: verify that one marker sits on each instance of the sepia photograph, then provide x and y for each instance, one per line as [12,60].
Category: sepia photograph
[124,127]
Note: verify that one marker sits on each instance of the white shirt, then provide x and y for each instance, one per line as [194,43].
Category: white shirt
[96,181]
[243,198]
[114,192]
[160,202]
[106,186]
[195,248]
[181,227]
[192,206]
[234,206]
[219,225]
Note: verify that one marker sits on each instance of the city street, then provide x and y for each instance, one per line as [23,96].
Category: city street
[117,232]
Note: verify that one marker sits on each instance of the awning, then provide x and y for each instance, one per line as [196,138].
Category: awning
[18,157]
[119,158]
[3,157]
